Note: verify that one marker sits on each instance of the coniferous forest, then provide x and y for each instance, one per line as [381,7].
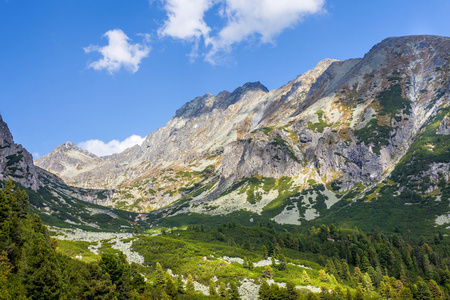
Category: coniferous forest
[345,263]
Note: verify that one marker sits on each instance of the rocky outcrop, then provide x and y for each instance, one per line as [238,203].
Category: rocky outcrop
[16,163]
[444,127]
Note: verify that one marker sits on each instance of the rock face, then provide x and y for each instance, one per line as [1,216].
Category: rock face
[343,124]
[16,163]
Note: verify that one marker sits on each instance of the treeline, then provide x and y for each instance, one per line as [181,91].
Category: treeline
[373,262]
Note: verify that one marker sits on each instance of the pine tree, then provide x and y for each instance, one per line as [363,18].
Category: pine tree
[136,230]
[171,289]
[222,290]
[367,282]
[160,280]
[245,263]
[348,295]
[233,293]
[282,265]
[291,291]
[212,288]
[305,277]
[250,265]
[180,286]
[357,273]
[435,290]
[268,272]
[406,294]
[345,272]
[359,294]
[42,273]
[264,291]
[190,288]
[265,252]
[423,292]
[323,276]
[5,270]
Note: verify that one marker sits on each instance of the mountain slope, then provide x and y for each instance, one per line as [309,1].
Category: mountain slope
[336,132]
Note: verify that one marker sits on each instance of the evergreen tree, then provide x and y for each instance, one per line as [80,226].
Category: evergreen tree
[136,230]
[359,294]
[406,294]
[160,280]
[5,270]
[233,292]
[212,288]
[171,289]
[323,276]
[282,265]
[265,252]
[348,294]
[190,288]
[222,290]
[423,292]
[345,272]
[245,263]
[119,271]
[434,290]
[264,291]
[97,285]
[42,274]
[291,291]
[180,286]
[268,272]
[250,264]
[305,277]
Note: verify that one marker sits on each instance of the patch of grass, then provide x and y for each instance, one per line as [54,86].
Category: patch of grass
[13,159]
[392,101]
[77,248]
[374,134]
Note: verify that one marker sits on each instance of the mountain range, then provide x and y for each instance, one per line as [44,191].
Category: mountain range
[338,141]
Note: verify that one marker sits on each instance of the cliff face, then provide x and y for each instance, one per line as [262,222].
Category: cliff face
[16,163]
[343,124]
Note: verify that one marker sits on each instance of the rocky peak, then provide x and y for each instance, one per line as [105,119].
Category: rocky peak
[208,102]
[67,159]
[5,135]
[71,147]
[16,163]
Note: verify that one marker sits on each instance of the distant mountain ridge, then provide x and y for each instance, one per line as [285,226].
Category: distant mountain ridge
[344,126]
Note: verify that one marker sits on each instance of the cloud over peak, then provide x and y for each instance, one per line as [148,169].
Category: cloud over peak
[101,148]
[119,52]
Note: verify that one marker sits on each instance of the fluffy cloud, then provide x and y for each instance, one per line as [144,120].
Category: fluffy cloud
[119,52]
[185,19]
[101,148]
[242,19]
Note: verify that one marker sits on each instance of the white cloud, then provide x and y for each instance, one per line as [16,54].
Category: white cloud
[35,155]
[242,19]
[101,148]
[185,19]
[119,52]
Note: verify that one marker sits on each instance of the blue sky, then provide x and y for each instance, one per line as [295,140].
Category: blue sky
[59,80]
